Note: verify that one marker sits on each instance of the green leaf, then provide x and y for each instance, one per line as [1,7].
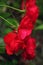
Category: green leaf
[5,15]
[1,8]
[40,27]
[15,62]
[13,21]
[16,4]
[38,21]
[10,22]
[2,3]
[40,5]
[7,30]
[2,48]
[32,63]
[6,63]
[1,42]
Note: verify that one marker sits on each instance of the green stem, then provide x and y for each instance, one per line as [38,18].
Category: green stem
[7,21]
[13,8]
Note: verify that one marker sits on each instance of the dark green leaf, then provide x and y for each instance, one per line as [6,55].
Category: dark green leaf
[38,22]
[2,3]
[7,30]
[15,62]
[17,4]
[5,15]
[12,21]
[2,45]
[1,42]
[40,27]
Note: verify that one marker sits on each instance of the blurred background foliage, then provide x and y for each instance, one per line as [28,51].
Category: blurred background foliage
[10,16]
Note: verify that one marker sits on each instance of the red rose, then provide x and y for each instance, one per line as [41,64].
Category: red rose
[13,44]
[25,28]
[23,33]
[26,23]
[31,46]
[30,3]
[13,47]
[17,45]
[29,52]
[8,50]
[20,40]
[9,37]
[33,12]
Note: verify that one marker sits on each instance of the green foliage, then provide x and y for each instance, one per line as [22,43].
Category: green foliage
[38,22]
[2,45]
[40,27]
[1,42]
[32,63]
[16,3]
[40,4]
[13,21]
[6,63]
[5,14]
[7,30]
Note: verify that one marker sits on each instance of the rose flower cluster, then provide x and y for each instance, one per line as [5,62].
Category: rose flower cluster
[21,39]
